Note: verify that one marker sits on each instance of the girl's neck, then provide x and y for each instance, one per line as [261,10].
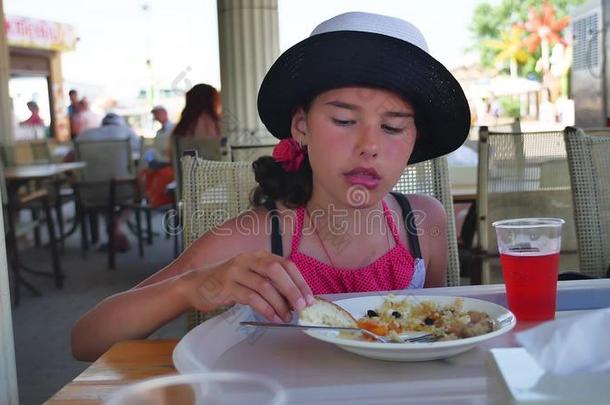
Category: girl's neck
[353,221]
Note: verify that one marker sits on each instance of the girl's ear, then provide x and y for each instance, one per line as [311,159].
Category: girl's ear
[298,126]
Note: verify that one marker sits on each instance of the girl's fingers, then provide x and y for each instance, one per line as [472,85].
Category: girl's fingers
[273,269]
[246,296]
[267,290]
[298,280]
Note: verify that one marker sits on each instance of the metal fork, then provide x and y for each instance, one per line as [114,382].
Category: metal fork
[426,338]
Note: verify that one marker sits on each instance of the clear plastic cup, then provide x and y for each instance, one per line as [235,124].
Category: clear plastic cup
[529,251]
[209,388]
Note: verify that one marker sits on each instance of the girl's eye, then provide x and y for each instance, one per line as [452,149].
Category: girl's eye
[343,123]
[392,130]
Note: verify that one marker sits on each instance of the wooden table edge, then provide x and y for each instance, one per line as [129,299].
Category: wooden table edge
[124,363]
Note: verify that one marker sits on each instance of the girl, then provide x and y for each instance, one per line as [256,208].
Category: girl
[352,105]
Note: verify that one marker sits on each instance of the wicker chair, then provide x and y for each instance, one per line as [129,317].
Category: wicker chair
[522,174]
[432,178]
[212,192]
[589,162]
[206,148]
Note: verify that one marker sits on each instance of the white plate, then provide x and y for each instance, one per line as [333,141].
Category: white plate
[414,351]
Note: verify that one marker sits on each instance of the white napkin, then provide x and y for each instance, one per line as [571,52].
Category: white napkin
[572,345]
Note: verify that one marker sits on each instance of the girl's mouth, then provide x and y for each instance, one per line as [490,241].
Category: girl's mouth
[361,176]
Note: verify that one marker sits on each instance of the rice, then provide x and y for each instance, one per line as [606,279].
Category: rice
[448,322]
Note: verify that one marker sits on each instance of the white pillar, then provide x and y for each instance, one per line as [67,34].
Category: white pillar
[8,373]
[6,116]
[249,44]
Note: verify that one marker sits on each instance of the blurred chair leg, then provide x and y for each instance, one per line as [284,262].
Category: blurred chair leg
[485,272]
[59,277]
[149,226]
[83,230]
[35,218]
[13,255]
[95,228]
[475,270]
[139,232]
[110,231]
[60,220]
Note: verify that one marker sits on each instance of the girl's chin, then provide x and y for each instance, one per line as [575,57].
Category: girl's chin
[363,198]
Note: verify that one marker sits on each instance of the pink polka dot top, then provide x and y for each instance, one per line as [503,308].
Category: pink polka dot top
[394,270]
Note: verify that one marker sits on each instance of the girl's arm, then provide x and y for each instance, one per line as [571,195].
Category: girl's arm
[209,274]
[132,314]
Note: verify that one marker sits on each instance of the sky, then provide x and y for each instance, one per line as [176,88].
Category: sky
[180,37]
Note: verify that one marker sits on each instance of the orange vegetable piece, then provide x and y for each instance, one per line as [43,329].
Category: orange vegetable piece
[374,326]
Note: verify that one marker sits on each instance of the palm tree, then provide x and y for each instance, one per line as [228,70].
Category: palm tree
[511,47]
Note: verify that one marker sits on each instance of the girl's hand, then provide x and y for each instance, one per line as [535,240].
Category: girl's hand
[270,284]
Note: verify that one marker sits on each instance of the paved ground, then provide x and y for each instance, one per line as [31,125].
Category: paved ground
[42,324]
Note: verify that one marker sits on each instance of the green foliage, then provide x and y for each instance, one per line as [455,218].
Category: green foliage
[510,106]
[488,23]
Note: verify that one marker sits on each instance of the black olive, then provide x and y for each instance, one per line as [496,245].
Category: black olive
[396,314]
[371,313]
[429,321]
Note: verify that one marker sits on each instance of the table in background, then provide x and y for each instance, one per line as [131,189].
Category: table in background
[464,194]
[40,171]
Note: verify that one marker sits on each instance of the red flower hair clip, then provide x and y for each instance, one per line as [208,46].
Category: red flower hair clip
[289,154]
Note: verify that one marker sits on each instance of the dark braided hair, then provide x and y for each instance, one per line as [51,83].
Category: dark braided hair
[274,183]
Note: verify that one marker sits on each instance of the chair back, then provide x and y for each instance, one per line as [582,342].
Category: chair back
[523,174]
[206,148]
[589,163]
[106,159]
[432,178]
[26,153]
[41,151]
[213,192]
[249,153]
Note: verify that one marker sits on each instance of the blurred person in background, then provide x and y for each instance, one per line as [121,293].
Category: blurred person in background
[159,154]
[201,114]
[113,127]
[83,118]
[72,108]
[200,118]
[34,120]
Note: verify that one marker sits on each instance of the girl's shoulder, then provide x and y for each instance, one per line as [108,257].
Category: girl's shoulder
[254,227]
[424,206]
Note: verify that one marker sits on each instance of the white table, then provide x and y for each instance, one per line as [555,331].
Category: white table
[316,372]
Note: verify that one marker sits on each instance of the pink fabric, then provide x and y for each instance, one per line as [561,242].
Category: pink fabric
[392,271]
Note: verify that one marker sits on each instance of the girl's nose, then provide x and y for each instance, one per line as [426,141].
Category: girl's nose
[368,142]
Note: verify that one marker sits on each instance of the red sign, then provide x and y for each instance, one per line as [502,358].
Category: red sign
[32,33]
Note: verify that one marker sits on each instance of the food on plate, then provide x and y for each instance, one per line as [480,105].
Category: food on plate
[447,322]
[399,316]
[325,312]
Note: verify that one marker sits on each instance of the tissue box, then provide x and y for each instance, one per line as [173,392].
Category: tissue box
[516,378]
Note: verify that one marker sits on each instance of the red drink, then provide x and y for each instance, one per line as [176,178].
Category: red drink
[531,285]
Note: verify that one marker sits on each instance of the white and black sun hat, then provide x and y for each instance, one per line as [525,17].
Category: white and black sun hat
[365,49]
